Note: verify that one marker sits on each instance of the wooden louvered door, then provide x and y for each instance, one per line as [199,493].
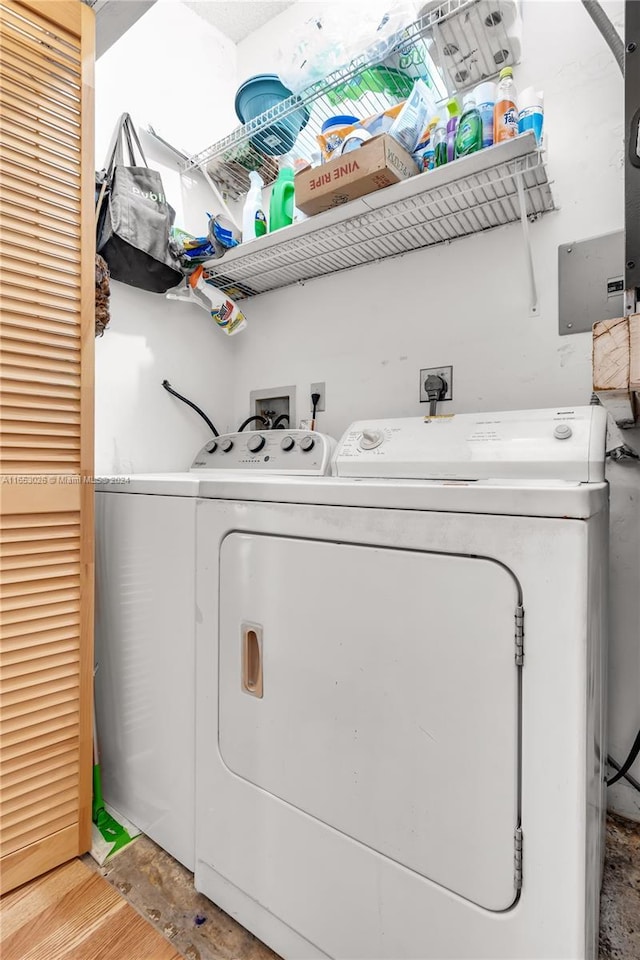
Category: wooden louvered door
[46,434]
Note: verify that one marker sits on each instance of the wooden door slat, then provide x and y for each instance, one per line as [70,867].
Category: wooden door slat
[37,249]
[65,25]
[64,331]
[61,774]
[37,173]
[59,279]
[34,51]
[45,363]
[37,817]
[29,193]
[16,203]
[32,23]
[16,754]
[18,308]
[39,98]
[62,300]
[40,573]
[64,827]
[39,130]
[27,536]
[52,87]
[39,118]
[23,349]
[39,223]
[49,673]
[64,606]
[26,433]
[49,755]
[33,147]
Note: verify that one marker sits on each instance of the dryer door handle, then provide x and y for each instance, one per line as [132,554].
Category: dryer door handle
[251,635]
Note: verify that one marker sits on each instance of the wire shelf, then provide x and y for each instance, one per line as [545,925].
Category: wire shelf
[455,44]
[473,194]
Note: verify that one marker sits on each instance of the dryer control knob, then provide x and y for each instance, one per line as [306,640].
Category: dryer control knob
[307,444]
[211,447]
[226,445]
[371,439]
[288,443]
[256,443]
[563,431]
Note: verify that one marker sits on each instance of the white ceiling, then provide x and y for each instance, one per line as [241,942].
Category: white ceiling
[238,18]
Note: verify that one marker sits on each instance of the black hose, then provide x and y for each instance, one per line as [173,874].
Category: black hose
[169,389]
[627,776]
[278,420]
[257,417]
[611,36]
[626,766]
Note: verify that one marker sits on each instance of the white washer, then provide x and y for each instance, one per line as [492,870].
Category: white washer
[145,653]
[145,627]
[400,717]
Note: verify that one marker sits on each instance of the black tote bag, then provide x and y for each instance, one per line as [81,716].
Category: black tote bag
[133,218]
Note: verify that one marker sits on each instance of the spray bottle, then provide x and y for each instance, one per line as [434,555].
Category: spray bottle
[505,117]
[254,222]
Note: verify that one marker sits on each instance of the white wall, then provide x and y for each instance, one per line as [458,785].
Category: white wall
[367,332]
[176,72]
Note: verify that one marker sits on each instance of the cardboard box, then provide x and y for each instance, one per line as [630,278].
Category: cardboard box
[378,163]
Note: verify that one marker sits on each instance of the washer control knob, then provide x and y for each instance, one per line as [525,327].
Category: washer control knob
[211,447]
[371,439]
[226,445]
[307,444]
[288,443]
[563,431]
[256,443]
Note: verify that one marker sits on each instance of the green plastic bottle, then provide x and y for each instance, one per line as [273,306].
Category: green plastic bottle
[440,143]
[469,132]
[282,200]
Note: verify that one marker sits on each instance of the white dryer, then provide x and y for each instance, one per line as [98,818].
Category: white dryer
[400,716]
[146,621]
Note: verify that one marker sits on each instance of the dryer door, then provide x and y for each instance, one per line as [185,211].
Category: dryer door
[377,691]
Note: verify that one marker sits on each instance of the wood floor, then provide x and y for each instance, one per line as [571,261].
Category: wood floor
[73,913]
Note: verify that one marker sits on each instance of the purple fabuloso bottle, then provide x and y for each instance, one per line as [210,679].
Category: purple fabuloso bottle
[452,128]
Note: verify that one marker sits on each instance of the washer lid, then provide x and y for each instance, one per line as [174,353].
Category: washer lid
[164,484]
[565,443]
[540,498]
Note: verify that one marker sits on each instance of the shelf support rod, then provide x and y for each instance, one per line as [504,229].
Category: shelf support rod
[533,290]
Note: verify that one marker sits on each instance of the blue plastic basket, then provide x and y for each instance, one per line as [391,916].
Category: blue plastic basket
[259,94]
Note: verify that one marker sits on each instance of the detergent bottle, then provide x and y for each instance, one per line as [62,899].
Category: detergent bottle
[505,117]
[281,207]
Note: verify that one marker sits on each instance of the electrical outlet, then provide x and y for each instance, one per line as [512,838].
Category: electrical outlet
[447,375]
[318,388]
[274,402]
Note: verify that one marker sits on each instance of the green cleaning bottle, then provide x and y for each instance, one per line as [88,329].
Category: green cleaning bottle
[469,132]
[282,196]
